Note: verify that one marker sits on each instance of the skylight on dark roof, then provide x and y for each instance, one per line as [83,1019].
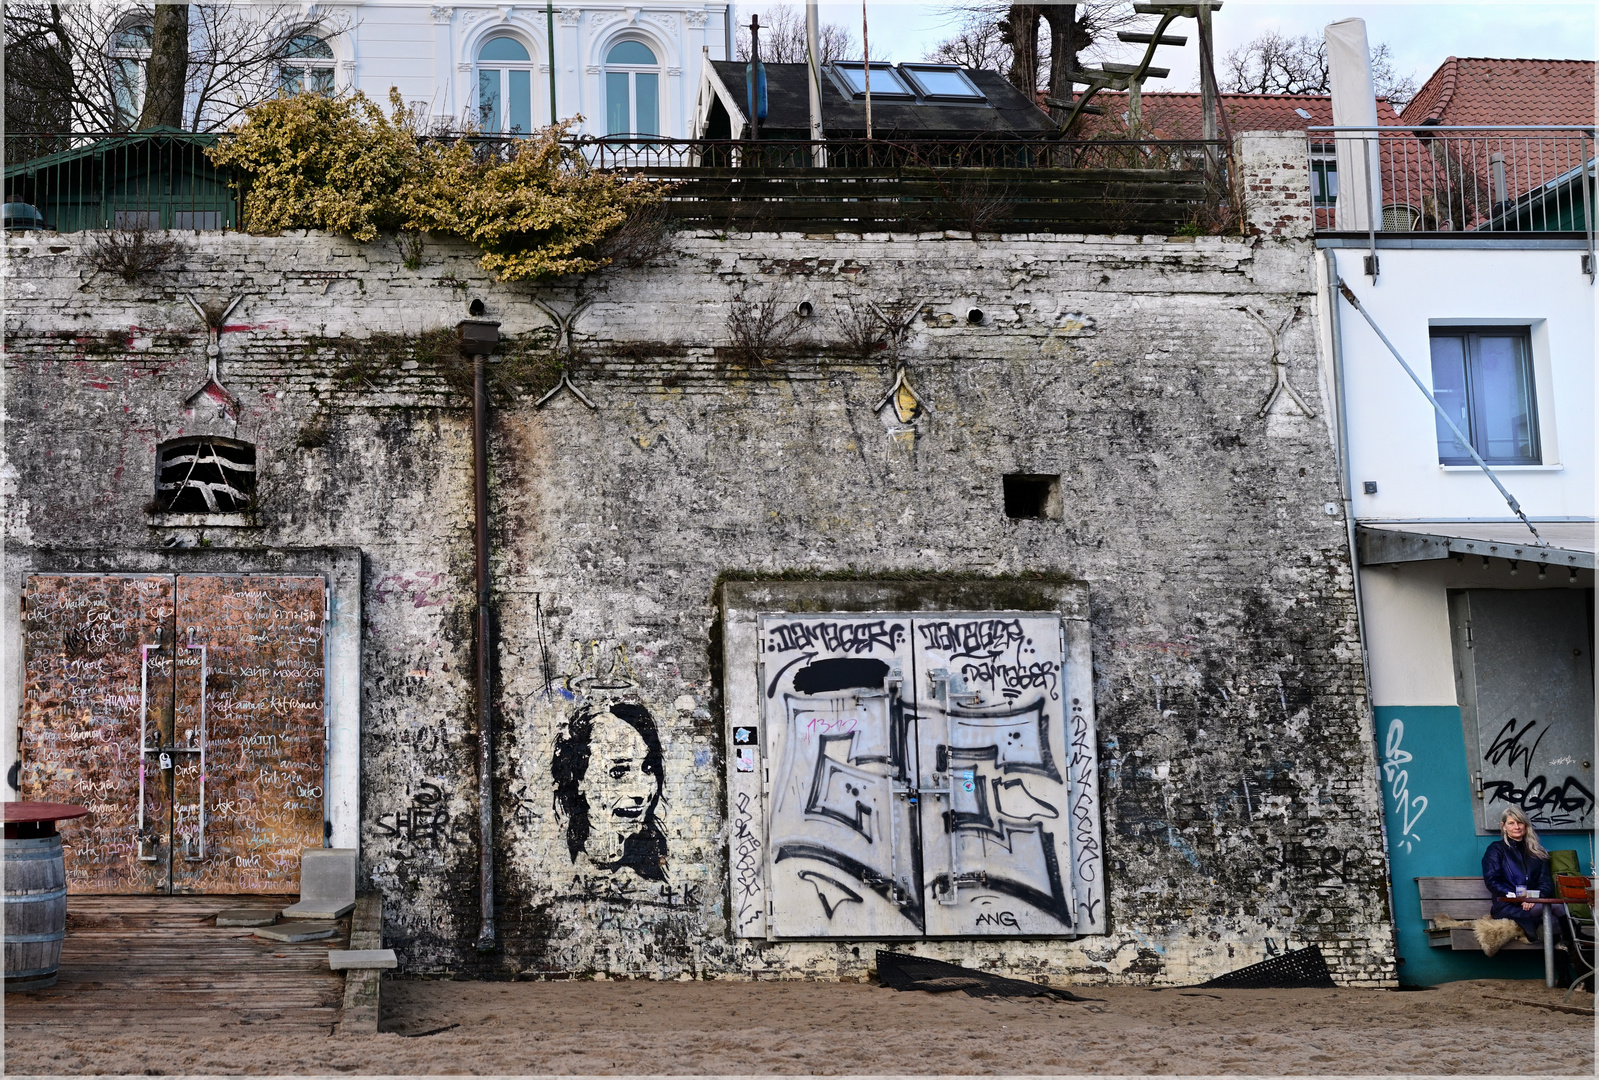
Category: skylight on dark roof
[886,82]
[942,82]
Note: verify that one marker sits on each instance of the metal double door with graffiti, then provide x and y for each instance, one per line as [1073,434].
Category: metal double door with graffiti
[187,713]
[928,775]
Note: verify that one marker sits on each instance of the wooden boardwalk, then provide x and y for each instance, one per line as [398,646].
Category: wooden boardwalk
[161,964]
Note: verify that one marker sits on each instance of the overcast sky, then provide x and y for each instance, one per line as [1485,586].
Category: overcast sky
[1421,35]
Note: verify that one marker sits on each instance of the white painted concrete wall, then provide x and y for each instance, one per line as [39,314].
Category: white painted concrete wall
[1407,621]
[1393,440]
[1392,434]
[429,51]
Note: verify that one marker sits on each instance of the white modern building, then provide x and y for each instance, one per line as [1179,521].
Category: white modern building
[1478,633]
[1461,334]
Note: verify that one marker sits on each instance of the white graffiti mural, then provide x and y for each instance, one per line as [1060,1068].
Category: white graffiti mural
[928,775]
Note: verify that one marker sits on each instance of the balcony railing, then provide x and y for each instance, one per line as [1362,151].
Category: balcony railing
[165,180]
[1436,179]
[648,153]
[917,185]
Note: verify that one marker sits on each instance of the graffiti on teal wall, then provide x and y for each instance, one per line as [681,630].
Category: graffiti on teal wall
[1432,833]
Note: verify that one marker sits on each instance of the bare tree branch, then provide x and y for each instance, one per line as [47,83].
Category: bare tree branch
[79,67]
[238,55]
[979,44]
[783,39]
[38,70]
[1274,64]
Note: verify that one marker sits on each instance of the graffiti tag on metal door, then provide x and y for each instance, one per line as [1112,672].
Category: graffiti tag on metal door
[930,775]
[97,686]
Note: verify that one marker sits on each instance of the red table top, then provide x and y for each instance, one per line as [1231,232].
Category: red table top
[18,812]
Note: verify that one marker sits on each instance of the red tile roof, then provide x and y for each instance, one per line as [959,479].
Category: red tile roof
[1446,180]
[1177,116]
[1477,90]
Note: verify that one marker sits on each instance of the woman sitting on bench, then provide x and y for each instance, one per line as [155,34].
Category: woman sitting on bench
[1517,865]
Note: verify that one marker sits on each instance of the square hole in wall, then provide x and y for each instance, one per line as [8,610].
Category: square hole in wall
[1032,495]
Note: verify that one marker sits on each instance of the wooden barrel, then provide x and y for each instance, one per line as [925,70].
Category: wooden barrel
[35,911]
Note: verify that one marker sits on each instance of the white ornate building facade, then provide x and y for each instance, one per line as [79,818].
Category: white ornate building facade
[624,68]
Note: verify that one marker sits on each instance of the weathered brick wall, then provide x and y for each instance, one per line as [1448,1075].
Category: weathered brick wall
[1241,805]
[1274,172]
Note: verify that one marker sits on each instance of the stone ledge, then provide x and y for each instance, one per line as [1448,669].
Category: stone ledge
[362,959]
[204,521]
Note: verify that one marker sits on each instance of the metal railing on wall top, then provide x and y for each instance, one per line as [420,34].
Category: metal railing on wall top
[1454,179]
[166,180]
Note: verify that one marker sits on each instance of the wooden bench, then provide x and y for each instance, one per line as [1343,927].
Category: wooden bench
[1465,898]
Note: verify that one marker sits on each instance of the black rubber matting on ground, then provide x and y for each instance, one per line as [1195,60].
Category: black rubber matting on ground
[897,971]
[1302,969]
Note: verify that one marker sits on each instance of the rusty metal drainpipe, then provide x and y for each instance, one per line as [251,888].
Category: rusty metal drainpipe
[478,337]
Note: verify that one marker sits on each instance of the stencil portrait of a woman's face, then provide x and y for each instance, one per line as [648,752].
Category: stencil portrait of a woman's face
[608,773]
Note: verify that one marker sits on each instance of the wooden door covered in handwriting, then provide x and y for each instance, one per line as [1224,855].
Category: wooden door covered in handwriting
[187,712]
[97,677]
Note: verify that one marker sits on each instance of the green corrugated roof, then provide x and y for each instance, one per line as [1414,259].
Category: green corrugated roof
[103,144]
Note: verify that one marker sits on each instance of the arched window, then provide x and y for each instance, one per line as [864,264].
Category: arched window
[307,66]
[130,51]
[632,90]
[504,86]
[205,475]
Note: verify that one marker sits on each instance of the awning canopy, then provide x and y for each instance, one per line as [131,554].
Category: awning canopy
[1570,543]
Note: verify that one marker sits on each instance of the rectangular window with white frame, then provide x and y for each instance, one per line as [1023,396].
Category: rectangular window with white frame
[1483,378]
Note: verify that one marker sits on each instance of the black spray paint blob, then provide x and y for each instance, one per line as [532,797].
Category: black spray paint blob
[840,673]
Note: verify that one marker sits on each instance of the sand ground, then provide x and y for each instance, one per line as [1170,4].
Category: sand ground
[452,1028]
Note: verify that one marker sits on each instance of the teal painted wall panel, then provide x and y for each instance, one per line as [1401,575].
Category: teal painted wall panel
[1432,833]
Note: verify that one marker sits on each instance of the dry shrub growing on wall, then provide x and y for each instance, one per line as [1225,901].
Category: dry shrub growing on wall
[860,330]
[412,244]
[340,164]
[760,328]
[644,237]
[133,254]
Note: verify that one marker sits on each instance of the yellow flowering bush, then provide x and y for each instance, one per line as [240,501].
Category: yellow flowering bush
[317,162]
[340,164]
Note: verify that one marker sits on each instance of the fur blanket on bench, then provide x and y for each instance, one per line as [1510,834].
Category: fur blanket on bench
[1495,934]
[1491,934]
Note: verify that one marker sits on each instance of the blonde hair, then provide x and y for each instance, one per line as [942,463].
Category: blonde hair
[1534,848]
